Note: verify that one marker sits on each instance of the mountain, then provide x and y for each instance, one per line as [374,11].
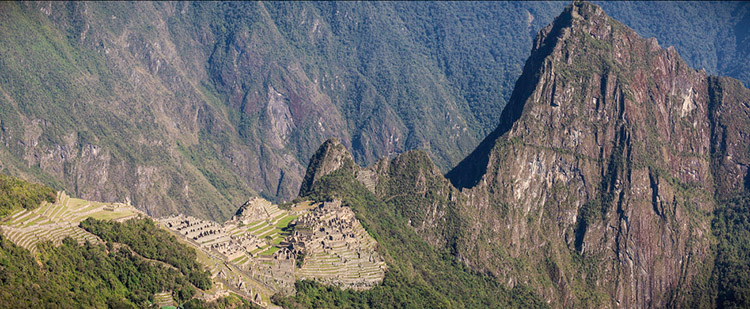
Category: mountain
[618,176]
[193,107]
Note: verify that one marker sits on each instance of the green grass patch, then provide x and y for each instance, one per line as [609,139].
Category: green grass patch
[284,222]
[36,220]
[263,231]
[240,260]
[256,227]
[110,215]
[278,217]
[277,240]
[256,250]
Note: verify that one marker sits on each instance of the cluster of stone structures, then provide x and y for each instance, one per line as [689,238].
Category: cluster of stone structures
[220,243]
[212,237]
[337,249]
[275,271]
[255,254]
[258,248]
[237,283]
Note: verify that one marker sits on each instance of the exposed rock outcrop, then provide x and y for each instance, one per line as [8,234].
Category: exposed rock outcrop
[598,184]
[331,156]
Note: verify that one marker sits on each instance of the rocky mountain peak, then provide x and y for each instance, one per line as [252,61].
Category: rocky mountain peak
[330,156]
[583,49]
[605,149]
[604,169]
[578,15]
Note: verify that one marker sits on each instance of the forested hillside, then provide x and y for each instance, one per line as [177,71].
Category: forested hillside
[193,107]
[16,193]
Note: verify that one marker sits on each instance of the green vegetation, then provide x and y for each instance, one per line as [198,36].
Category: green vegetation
[92,276]
[232,301]
[73,275]
[726,283]
[269,251]
[414,180]
[284,222]
[145,238]
[419,275]
[120,76]
[16,193]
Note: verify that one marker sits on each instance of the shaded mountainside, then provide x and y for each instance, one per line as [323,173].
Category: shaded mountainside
[420,274]
[615,176]
[191,107]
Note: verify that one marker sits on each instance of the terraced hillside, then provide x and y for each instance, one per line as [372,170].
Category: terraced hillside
[263,249]
[337,249]
[33,227]
[163,299]
[55,221]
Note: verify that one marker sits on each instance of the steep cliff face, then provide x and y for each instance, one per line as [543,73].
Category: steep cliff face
[605,154]
[729,115]
[330,157]
[597,187]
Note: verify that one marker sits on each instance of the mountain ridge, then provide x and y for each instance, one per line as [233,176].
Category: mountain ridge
[193,107]
[617,176]
[607,175]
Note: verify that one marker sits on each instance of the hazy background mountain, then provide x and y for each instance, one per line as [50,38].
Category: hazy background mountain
[193,107]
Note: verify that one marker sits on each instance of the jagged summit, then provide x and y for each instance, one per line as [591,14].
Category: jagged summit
[612,147]
[604,170]
[330,156]
[582,40]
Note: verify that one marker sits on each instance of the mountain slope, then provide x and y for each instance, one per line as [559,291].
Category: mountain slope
[419,274]
[613,160]
[599,186]
[191,107]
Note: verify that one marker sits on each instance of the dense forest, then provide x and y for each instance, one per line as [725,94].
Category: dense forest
[728,284]
[151,242]
[16,194]
[73,275]
[91,276]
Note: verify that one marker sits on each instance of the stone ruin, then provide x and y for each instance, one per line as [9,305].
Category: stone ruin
[212,236]
[255,209]
[336,247]
[238,246]
[275,271]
